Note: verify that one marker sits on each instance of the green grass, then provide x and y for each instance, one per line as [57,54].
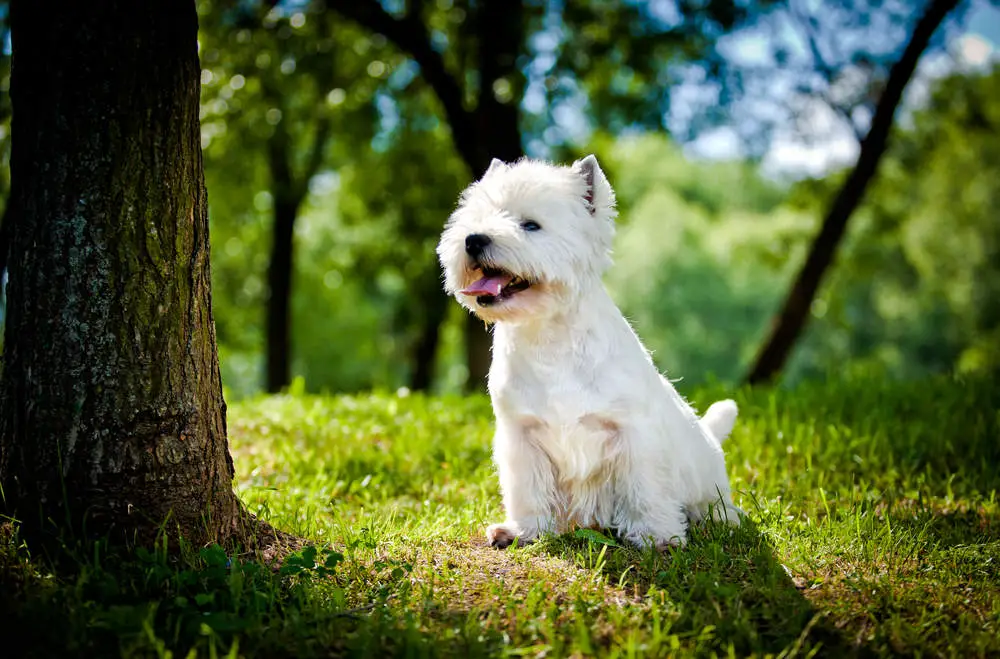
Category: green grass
[874,530]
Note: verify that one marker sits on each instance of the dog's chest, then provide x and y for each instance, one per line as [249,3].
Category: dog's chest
[574,424]
[583,451]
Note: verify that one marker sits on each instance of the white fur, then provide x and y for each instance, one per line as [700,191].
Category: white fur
[588,433]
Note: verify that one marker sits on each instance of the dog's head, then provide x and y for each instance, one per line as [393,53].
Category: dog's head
[528,238]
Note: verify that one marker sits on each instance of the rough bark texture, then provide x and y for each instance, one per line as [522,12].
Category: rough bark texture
[111,410]
[489,130]
[795,312]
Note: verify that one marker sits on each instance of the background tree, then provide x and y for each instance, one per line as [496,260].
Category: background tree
[488,73]
[479,58]
[778,75]
[111,416]
[914,287]
[355,243]
[275,109]
[920,277]
[795,311]
[419,165]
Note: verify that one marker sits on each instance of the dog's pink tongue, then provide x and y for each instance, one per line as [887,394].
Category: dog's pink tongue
[487,286]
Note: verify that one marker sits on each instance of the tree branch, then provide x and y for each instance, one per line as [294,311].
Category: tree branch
[794,313]
[325,77]
[315,159]
[410,35]
[278,150]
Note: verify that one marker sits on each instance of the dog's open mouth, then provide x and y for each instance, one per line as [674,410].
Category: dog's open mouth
[495,285]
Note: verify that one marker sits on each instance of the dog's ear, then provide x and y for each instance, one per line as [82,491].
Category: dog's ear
[598,194]
[495,165]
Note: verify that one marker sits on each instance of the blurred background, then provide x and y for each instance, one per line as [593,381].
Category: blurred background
[338,134]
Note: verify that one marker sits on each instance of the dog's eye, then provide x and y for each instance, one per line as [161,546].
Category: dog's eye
[530,225]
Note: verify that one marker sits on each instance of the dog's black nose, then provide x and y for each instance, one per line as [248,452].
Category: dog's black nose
[476,243]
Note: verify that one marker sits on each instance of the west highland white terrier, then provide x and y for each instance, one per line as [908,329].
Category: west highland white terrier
[588,433]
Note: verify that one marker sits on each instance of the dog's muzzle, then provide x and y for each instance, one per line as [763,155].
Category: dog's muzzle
[476,243]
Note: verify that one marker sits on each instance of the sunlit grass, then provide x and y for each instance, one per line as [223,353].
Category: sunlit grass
[874,529]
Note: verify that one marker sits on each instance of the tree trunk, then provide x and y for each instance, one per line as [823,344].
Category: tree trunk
[288,192]
[5,228]
[279,279]
[435,308]
[111,410]
[500,26]
[792,319]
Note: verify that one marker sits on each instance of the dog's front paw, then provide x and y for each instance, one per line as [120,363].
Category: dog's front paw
[663,546]
[501,536]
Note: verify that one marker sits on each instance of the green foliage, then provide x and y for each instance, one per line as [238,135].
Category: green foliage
[706,250]
[874,529]
[285,95]
[917,288]
[937,199]
[703,255]
[386,178]
[156,604]
[625,57]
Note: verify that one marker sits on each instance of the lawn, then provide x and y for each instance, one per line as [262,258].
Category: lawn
[874,530]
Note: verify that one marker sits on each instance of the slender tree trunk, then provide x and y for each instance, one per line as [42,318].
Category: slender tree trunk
[500,25]
[288,190]
[279,279]
[794,314]
[435,304]
[111,408]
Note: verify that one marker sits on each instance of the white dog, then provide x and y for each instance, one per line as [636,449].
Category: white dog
[589,434]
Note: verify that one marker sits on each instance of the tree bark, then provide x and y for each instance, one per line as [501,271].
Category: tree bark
[794,314]
[112,418]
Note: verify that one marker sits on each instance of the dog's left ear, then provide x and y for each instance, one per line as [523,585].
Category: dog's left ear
[598,193]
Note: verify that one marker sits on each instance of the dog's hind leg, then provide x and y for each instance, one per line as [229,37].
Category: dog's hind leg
[650,512]
[717,504]
[661,523]
[527,480]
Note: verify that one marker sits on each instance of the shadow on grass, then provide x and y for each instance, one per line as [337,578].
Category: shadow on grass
[212,603]
[726,584]
[947,529]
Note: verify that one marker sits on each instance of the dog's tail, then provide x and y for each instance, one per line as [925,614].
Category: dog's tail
[720,419]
